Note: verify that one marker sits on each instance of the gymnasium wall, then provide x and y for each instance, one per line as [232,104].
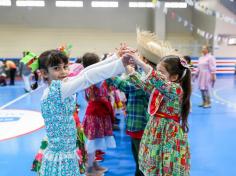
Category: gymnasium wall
[222,49]
[87,29]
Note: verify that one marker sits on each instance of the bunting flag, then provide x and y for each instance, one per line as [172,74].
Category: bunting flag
[186,23]
[201,7]
[154,2]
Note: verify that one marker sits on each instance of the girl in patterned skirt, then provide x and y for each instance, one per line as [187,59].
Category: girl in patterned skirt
[164,148]
[58,104]
[98,119]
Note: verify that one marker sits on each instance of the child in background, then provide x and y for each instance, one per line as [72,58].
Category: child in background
[135,119]
[10,66]
[98,119]
[3,75]
[25,73]
[58,105]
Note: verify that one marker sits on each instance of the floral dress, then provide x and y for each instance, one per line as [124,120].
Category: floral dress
[164,148]
[60,157]
[80,144]
[98,119]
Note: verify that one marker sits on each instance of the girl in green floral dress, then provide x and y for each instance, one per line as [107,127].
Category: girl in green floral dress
[164,148]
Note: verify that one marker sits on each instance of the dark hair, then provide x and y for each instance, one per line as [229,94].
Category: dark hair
[89,59]
[52,58]
[174,67]
[78,60]
[188,59]
[36,78]
[105,56]
[25,53]
[47,59]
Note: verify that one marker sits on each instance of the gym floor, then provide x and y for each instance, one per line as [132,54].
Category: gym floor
[211,133]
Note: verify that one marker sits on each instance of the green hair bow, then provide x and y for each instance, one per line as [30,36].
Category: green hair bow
[31,60]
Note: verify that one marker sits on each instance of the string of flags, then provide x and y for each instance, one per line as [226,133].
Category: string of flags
[187,24]
[203,8]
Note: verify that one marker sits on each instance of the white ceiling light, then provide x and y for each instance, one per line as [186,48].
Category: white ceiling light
[69,4]
[104,4]
[141,5]
[30,3]
[5,2]
[176,5]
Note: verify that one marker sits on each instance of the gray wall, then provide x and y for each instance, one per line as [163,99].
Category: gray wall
[173,26]
[122,19]
[87,29]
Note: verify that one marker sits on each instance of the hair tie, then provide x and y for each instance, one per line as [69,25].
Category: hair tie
[184,73]
[184,63]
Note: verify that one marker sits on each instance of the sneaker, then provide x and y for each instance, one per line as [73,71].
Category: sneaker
[100,152]
[201,105]
[91,171]
[117,121]
[116,127]
[100,169]
[207,106]
[99,158]
[94,174]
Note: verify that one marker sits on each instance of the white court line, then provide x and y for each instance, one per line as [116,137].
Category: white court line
[19,98]
[223,100]
[197,95]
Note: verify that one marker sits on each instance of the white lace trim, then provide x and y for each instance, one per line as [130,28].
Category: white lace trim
[59,156]
[100,144]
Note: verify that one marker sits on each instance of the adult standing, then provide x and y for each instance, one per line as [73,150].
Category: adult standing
[206,74]
[11,67]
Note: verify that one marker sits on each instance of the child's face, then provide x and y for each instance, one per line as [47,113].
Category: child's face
[58,72]
[161,68]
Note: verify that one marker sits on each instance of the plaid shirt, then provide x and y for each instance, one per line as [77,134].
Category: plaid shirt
[137,104]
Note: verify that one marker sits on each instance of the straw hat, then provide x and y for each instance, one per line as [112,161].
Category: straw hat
[152,48]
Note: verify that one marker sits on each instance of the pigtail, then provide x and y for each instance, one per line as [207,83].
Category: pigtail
[35,84]
[187,89]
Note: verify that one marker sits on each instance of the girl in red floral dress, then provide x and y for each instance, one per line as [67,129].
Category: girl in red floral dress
[98,120]
[164,148]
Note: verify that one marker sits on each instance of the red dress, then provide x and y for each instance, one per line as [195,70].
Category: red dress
[98,119]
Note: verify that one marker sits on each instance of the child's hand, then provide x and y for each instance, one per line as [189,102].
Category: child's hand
[130,69]
[127,60]
[124,49]
[120,51]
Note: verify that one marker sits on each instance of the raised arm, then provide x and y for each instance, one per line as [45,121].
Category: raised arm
[106,61]
[155,79]
[92,75]
[166,88]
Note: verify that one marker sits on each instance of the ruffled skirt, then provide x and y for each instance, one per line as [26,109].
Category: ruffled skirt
[46,160]
[164,149]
